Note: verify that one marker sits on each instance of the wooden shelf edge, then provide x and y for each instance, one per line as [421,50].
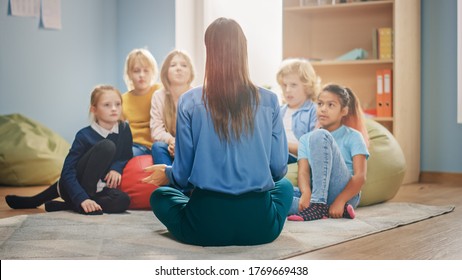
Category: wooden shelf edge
[341,6]
[351,62]
[383,119]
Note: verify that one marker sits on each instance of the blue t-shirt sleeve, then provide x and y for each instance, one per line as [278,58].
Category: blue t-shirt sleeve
[313,117]
[303,147]
[358,145]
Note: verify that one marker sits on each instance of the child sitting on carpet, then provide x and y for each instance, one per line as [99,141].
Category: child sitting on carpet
[140,76]
[92,169]
[176,74]
[300,85]
[332,159]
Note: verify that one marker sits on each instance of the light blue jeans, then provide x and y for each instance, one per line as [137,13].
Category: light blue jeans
[329,173]
[139,150]
[160,154]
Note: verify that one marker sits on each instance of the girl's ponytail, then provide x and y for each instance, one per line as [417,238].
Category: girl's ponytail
[355,117]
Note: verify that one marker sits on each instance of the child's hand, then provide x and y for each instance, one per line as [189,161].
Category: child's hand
[89,205]
[336,209]
[304,201]
[171,147]
[171,150]
[113,179]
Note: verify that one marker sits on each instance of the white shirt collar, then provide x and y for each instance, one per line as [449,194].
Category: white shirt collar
[104,132]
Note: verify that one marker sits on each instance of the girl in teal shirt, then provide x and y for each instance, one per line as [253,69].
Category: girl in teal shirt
[332,160]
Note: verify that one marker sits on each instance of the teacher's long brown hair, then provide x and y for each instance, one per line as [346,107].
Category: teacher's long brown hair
[229,95]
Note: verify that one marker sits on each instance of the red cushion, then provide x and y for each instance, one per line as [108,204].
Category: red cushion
[131,184]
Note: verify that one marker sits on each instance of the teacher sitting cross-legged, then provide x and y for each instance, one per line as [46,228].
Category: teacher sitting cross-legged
[230,154]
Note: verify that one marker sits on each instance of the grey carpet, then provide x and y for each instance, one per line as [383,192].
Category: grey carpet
[139,235]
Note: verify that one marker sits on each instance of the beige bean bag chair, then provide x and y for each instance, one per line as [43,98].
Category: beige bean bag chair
[385,168]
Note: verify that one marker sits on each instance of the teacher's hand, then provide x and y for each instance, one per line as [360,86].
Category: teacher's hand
[158,176]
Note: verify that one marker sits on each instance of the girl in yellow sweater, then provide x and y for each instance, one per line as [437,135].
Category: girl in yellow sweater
[140,76]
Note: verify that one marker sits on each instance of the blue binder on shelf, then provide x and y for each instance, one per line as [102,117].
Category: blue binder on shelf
[355,54]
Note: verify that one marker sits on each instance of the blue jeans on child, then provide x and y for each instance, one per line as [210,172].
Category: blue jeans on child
[329,173]
[139,150]
[160,153]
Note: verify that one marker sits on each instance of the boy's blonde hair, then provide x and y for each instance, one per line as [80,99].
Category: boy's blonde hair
[305,71]
[96,94]
[145,58]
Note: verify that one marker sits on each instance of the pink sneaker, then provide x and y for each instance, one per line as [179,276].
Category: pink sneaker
[349,212]
[295,218]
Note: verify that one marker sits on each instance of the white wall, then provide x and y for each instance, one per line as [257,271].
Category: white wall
[189,33]
[261,21]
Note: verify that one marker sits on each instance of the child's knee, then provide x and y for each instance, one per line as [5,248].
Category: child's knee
[114,201]
[159,145]
[319,134]
[123,202]
[106,147]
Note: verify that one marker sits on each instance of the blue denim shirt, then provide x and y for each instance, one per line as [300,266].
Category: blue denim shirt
[204,161]
[304,119]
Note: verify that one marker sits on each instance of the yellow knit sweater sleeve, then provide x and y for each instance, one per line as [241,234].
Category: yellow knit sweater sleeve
[136,110]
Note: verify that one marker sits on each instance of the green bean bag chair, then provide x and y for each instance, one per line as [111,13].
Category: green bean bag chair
[30,154]
[386,166]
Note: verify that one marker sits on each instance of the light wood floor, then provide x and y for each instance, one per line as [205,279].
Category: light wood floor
[435,238]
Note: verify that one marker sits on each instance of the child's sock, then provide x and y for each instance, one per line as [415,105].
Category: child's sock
[25,202]
[315,211]
[53,206]
[21,202]
[349,212]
